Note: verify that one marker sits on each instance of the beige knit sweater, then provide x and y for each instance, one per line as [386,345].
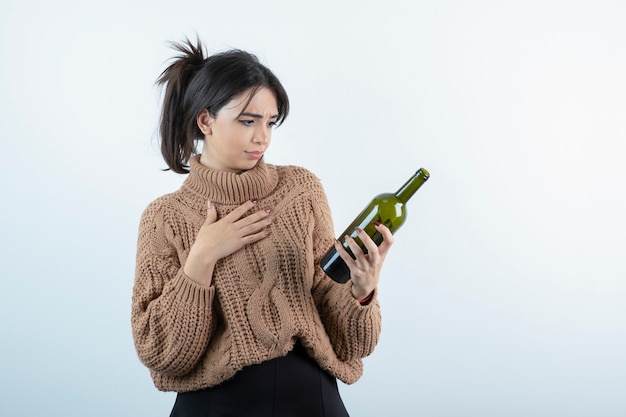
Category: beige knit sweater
[263,297]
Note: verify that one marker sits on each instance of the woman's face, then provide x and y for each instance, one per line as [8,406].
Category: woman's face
[236,139]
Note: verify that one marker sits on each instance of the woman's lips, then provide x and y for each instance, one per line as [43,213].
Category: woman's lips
[255,155]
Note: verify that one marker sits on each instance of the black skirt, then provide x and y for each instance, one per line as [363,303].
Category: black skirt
[290,386]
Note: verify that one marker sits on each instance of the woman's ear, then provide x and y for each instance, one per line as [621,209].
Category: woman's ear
[205,122]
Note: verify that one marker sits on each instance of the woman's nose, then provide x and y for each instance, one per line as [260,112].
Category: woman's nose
[263,134]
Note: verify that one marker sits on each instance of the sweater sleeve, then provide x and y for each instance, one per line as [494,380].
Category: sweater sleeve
[353,329]
[171,316]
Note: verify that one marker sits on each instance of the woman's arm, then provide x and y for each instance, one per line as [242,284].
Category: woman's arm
[172,316]
[353,329]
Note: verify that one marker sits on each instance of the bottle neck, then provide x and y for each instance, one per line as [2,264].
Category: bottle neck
[405,192]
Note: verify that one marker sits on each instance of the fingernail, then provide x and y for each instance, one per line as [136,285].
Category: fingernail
[377,223]
[254,200]
[208,205]
[359,230]
[267,209]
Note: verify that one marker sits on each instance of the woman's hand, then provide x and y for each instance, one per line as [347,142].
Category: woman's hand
[220,238]
[365,269]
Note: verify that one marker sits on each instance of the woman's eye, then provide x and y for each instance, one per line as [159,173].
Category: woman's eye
[246,122]
[272,124]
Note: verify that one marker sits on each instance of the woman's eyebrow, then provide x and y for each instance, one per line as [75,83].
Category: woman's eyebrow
[258,116]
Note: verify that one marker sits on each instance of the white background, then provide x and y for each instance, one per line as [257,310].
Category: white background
[505,293]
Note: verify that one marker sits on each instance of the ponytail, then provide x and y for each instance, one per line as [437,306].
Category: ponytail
[178,128]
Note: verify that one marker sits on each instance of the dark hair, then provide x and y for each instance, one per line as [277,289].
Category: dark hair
[194,83]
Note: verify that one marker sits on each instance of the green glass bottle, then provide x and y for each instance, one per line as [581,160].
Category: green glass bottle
[388,209]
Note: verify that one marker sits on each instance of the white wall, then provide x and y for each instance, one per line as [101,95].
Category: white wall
[505,292]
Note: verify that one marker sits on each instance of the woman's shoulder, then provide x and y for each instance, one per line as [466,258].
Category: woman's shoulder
[299,181]
[296,174]
[159,206]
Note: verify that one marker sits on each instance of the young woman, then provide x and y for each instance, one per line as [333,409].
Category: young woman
[230,307]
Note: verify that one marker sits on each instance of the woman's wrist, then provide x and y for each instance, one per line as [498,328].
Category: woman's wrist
[362,295]
[366,300]
[200,275]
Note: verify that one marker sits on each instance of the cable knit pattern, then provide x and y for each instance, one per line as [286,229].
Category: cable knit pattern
[263,297]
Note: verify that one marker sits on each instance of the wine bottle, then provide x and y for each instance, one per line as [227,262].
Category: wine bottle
[388,209]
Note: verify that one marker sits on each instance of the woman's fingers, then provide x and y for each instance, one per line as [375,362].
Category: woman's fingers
[371,253]
[370,245]
[251,223]
[368,259]
[218,238]
[387,237]
[211,213]
[240,211]
[343,253]
[254,222]
[234,230]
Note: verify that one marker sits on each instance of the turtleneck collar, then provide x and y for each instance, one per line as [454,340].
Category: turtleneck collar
[228,187]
